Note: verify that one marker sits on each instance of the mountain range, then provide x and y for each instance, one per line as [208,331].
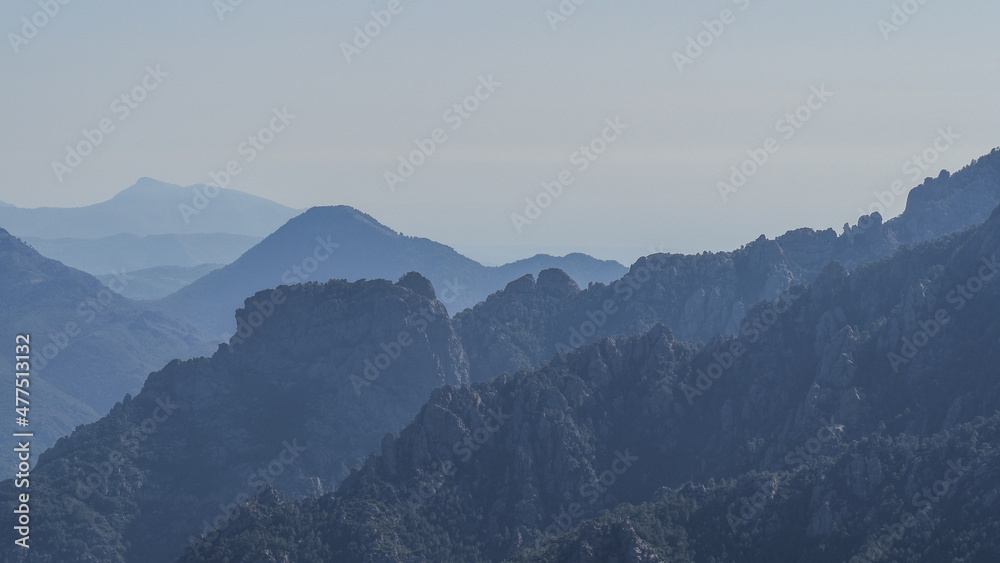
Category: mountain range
[130,253]
[81,323]
[322,381]
[156,283]
[802,398]
[91,345]
[857,421]
[701,295]
[151,207]
[342,243]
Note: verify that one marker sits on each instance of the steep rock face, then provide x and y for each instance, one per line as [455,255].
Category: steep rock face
[517,325]
[951,202]
[511,453]
[808,416]
[313,379]
[697,296]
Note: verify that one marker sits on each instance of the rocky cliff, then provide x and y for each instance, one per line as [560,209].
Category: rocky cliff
[314,378]
[836,410]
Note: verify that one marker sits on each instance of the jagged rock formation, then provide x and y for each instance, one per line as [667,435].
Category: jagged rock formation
[838,406]
[701,295]
[306,388]
[821,393]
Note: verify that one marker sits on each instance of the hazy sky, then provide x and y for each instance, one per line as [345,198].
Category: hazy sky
[654,186]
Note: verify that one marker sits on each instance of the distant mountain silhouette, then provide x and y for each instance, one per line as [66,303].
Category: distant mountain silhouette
[343,243]
[151,207]
[128,253]
[90,346]
[158,282]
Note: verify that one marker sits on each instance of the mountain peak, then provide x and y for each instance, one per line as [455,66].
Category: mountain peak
[153,207]
[339,214]
[12,245]
[556,282]
[418,284]
[523,284]
[146,182]
[343,209]
[145,187]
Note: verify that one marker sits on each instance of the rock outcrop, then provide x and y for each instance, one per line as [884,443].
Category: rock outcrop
[309,385]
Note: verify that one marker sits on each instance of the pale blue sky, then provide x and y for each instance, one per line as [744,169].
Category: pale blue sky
[655,187]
